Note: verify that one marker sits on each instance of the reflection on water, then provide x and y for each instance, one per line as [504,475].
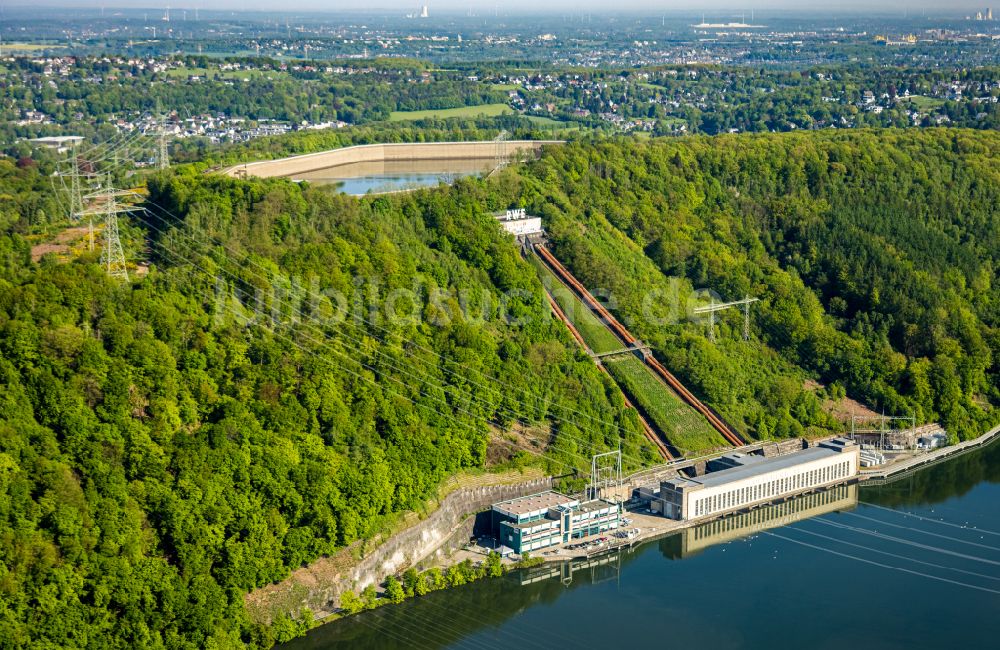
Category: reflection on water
[919,558]
[727,529]
[394,175]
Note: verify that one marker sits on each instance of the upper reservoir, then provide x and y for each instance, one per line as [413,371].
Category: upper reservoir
[395,166]
[911,564]
[395,175]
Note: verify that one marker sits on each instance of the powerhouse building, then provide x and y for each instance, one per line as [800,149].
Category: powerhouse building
[540,520]
[747,480]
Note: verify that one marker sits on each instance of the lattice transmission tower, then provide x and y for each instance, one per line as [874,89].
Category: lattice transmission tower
[502,153]
[75,192]
[163,156]
[105,203]
[70,169]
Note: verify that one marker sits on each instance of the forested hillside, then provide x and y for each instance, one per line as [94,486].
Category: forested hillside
[874,254]
[300,366]
[167,445]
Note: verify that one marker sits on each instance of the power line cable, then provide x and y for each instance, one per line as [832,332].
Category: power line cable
[456,388]
[463,377]
[923,532]
[931,519]
[892,538]
[468,395]
[881,564]
[896,555]
[377,373]
[100,152]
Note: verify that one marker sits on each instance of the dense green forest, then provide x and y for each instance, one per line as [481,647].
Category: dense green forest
[874,255]
[168,444]
[160,457]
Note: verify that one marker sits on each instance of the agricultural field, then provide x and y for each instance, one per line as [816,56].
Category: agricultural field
[34,48]
[686,430]
[543,121]
[487,110]
[598,337]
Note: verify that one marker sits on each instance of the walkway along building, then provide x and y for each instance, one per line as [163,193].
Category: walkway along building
[748,480]
[549,518]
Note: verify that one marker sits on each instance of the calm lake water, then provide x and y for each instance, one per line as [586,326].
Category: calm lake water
[376,177]
[913,564]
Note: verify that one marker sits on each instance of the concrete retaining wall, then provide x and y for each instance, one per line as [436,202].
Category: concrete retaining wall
[383,153]
[319,585]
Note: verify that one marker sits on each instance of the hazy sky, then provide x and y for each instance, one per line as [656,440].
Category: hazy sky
[931,6]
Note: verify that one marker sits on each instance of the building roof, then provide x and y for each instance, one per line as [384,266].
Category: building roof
[57,139]
[757,468]
[534,503]
[596,504]
[534,523]
[743,459]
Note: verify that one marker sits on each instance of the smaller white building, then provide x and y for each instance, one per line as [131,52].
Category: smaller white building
[932,441]
[60,143]
[520,224]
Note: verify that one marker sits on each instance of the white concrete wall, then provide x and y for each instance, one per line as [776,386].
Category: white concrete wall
[384,152]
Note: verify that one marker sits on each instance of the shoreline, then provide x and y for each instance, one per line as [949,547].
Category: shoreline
[654,526]
[659,526]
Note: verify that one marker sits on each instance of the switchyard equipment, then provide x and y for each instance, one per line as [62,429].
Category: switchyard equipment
[754,480]
[606,474]
[883,432]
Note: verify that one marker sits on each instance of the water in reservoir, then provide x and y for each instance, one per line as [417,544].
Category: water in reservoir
[394,175]
[912,564]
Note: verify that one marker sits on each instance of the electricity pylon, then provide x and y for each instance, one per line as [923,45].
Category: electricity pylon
[502,151]
[106,204]
[74,191]
[75,194]
[163,158]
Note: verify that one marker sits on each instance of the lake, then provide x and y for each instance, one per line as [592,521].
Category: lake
[394,175]
[912,564]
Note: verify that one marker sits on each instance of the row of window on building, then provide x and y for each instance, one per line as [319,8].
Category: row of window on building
[770,489]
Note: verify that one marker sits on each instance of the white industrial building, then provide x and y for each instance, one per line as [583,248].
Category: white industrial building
[59,143]
[752,480]
[520,224]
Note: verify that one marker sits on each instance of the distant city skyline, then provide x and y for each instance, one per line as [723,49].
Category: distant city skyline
[937,7]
